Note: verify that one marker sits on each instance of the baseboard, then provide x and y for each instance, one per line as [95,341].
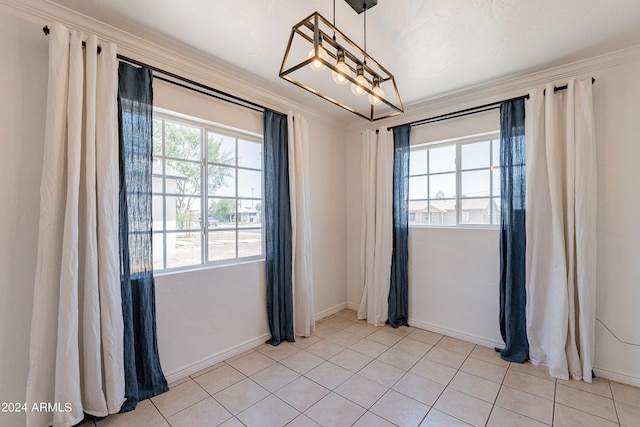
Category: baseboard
[221,356]
[353,306]
[455,334]
[328,312]
[617,376]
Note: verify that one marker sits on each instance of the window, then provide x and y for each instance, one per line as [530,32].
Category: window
[207,194]
[455,182]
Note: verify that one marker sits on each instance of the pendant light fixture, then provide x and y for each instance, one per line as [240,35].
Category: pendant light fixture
[326,47]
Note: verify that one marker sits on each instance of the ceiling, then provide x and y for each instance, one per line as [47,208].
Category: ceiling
[433,47]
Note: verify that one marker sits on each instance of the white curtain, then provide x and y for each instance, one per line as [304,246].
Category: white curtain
[76,347]
[376,244]
[302,274]
[561,221]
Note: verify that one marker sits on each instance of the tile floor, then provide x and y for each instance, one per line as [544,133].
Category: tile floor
[349,373]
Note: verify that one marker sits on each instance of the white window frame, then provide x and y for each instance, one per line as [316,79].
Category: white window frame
[206,126]
[458,143]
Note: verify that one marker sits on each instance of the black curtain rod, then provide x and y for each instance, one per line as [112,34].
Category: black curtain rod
[472,110]
[199,87]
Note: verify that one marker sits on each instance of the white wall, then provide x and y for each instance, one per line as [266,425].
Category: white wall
[202,316]
[453,291]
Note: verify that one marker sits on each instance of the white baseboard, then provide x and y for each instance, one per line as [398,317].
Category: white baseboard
[353,306]
[328,312]
[617,376]
[455,334]
[221,356]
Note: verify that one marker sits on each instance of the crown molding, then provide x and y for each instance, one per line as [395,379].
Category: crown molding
[180,59]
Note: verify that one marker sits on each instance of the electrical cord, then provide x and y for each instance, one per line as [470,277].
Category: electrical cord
[615,336]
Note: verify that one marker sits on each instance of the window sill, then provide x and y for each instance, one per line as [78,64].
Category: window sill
[211,266]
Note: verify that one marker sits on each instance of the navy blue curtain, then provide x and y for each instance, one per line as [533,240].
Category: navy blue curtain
[277,218]
[143,373]
[512,232]
[399,288]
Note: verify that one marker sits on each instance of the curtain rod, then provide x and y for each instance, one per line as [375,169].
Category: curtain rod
[472,110]
[199,87]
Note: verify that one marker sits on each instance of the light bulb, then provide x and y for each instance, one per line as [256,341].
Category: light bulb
[375,100]
[338,78]
[317,65]
[357,90]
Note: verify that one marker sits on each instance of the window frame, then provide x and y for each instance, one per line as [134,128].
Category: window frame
[458,199]
[205,127]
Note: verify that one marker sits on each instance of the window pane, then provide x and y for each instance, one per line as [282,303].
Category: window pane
[418,212]
[249,243]
[157,137]
[184,249]
[183,213]
[221,213]
[183,177]
[156,176]
[496,152]
[475,183]
[248,215]
[182,141]
[418,161]
[475,211]
[157,213]
[442,159]
[221,149]
[222,181]
[475,155]
[442,186]
[158,251]
[496,181]
[442,212]
[222,245]
[418,187]
[249,183]
[496,211]
[249,154]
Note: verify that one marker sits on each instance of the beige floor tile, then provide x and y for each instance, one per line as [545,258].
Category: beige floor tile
[302,361]
[361,329]
[629,415]
[251,363]
[464,407]
[369,348]
[302,393]
[402,331]
[526,404]
[433,371]
[501,417]
[413,347]
[446,357]
[325,349]
[219,379]
[625,393]
[370,419]
[172,384]
[275,377]
[565,416]
[456,345]
[323,330]
[487,354]
[348,314]
[303,421]
[400,409]
[599,386]
[385,337]
[351,360]
[162,423]
[207,412]
[304,342]
[339,322]
[343,338]
[485,370]
[328,375]
[240,396]
[426,337]
[419,388]
[145,415]
[179,398]
[539,386]
[436,418]
[399,359]
[232,422]
[207,369]
[587,402]
[382,373]
[475,386]
[531,369]
[269,412]
[361,390]
[278,352]
[334,410]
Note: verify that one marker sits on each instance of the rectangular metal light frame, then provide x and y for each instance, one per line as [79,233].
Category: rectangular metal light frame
[312,23]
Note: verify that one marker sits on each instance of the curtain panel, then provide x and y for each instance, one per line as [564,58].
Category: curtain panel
[278,239]
[143,373]
[76,343]
[376,244]
[399,288]
[513,232]
[561,236]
